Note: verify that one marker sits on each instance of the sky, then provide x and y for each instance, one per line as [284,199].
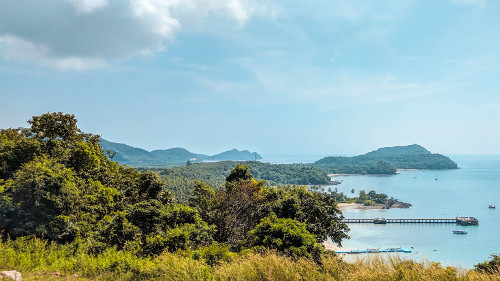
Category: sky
[276,77]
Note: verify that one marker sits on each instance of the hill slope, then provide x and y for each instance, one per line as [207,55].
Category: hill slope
[397,157]
[137,157]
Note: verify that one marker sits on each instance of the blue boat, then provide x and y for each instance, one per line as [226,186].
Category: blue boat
[459,232]
[371,251]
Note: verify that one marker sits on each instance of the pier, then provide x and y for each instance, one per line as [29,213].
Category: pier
[457,220]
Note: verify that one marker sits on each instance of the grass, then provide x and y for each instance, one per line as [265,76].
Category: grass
[39,260]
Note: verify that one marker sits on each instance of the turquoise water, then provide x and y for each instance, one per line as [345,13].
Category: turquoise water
[466,191]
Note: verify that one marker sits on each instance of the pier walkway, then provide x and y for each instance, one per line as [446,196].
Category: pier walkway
[458,220]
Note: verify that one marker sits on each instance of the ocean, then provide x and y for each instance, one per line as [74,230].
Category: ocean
[433,194]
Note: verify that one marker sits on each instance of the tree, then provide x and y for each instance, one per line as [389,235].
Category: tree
[55,125]
[319,211]
[65,188]
[490,267]
[287,236]
[232,209]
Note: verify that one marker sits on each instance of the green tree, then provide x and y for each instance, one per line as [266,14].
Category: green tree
[57,183]
[319,211]
[287,236]
[491,267]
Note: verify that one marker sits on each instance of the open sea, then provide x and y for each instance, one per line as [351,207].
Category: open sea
[464,192]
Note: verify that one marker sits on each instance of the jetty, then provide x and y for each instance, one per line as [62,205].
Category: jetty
[457,220]
[372,251]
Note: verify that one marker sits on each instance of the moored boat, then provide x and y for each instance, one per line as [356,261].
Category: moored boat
[459,232]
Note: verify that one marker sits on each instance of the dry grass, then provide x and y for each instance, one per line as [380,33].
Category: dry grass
[38,260]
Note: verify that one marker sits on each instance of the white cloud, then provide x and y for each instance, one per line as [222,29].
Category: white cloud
[18,49]
[52,34]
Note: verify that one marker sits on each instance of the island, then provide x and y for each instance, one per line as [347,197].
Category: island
[138,157]
[386,160]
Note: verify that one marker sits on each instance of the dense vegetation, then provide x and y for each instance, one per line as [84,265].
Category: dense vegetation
[41,260]
[181,180]
[386,160]
[66,209]
[137,157]
[56,183]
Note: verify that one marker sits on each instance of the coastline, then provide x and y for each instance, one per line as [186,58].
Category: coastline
[333,247]
[359,206]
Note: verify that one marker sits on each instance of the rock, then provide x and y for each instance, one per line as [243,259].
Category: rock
[14,275]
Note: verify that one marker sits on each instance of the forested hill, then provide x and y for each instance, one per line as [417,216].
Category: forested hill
[137,157]
[386,160]
[180,180]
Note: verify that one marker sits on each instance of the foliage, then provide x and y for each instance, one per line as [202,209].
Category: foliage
[214,254]
[42,260]
[385,161]
[491,267]
[383,165]
[137,157]
[232,208]
[317,209]
[286,236]
[379,198]
[57,183]
[181,180]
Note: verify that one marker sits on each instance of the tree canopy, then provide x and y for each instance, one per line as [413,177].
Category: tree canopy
[57,183]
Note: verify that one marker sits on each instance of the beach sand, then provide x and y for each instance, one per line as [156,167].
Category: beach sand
[334,247]
[344,206]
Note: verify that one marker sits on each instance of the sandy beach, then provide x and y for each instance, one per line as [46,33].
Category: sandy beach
[344,206]
[330,246]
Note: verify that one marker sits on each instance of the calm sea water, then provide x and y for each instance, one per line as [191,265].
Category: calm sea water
[465,192]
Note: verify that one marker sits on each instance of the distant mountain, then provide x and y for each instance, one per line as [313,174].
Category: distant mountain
[235,154]
[387,160]
[398,151]
[137,157]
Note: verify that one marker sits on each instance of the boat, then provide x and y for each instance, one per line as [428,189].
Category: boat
[459,232]
[373,251]
[336,182]
[491,206]
[467,221]
[379,221]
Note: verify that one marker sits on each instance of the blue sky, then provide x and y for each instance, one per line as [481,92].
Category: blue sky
[297,77]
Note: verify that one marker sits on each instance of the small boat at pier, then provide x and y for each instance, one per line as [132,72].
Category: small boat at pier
[459,232]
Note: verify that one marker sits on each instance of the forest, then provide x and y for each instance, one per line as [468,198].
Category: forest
[67,212]
[181,180]
[386,160]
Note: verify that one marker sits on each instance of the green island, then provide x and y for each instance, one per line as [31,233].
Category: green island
[365,200]
[138,157]
[386,160]
[68,212]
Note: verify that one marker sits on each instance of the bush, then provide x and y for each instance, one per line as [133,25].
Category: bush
[214,254]
[368,203]
[286,236]
[490,267]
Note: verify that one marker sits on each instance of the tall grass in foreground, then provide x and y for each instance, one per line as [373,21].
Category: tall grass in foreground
[40,260]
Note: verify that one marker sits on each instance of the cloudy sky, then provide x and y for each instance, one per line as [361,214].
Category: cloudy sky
[295,77]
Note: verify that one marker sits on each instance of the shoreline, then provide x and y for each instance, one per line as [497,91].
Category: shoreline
[359,206]
[333,247]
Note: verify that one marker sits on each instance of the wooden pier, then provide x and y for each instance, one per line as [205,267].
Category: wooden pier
[458,220]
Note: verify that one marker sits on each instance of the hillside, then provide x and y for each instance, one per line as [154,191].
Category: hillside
[180,180]
[387,160]
[137,157]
